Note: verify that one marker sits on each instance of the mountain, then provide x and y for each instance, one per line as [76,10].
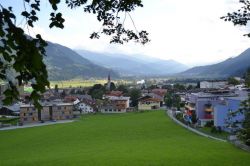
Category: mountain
[231,67]
[63,64]
[134,65]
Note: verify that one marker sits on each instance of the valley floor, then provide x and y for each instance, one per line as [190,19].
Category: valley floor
[148,138]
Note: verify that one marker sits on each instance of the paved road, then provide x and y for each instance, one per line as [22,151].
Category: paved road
[36,125]
[170,114]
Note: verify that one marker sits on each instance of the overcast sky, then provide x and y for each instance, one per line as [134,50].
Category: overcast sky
[188,31]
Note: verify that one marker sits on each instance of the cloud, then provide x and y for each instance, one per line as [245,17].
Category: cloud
[187,31]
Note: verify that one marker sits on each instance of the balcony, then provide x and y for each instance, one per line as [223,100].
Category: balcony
[208,116]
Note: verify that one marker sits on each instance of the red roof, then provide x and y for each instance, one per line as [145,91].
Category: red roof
[70,98]
[114,93]
[150,99]
[160,92]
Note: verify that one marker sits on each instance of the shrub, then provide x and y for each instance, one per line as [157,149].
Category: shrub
[213,129]
[209,124]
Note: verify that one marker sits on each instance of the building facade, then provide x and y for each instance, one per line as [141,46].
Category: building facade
[49,112]
[148,103]
[224,108]
[115,104]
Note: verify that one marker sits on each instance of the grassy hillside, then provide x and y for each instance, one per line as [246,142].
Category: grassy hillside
[64,64]
[231,67]
[149,138]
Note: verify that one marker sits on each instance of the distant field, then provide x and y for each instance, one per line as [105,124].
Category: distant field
[132,139]
[78,83]
[82,83]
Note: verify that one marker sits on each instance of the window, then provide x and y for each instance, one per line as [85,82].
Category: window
[59,108]
[24,119]
[30,114]
[106,110]
[110,110]
[24,114]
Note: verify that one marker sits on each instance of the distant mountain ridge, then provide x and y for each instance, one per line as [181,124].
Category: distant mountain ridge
[134,65]
[236,66]
[64,64]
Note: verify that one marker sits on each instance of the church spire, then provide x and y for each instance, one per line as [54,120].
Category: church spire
[108,87]
[109,78]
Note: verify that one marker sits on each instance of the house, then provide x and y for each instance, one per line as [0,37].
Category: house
[160,92]
[84,107]
[113,93]
[115,104]
[157,96]
[49,111]
[12,110]
[156,93]
[69,99]
[148,103]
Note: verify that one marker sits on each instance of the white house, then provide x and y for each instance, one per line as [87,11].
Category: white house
[116,105]
[85,108]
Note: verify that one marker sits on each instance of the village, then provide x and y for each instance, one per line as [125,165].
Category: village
[210,104]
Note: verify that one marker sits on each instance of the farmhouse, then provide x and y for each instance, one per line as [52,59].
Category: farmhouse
[115,104]
[148,103]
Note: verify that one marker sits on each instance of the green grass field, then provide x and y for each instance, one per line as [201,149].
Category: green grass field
[84,83]
[146,139]
[76,83]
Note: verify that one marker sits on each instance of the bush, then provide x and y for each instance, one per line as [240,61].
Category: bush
[219,129]
[213,129]
[209,124]
[179,116]
[216,129]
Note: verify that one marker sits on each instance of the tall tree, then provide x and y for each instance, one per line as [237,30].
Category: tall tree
[247,78]
[21,57]
[169,100]
[241,16]
[134,94]
[97,91]
[123,89]
[245,131]
[233,81]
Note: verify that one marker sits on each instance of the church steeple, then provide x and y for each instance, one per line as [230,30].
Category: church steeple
[108,87]
[109,78]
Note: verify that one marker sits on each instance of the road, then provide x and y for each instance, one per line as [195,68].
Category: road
[36,125]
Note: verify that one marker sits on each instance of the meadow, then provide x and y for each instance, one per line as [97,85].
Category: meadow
[139,139]
[84,83]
